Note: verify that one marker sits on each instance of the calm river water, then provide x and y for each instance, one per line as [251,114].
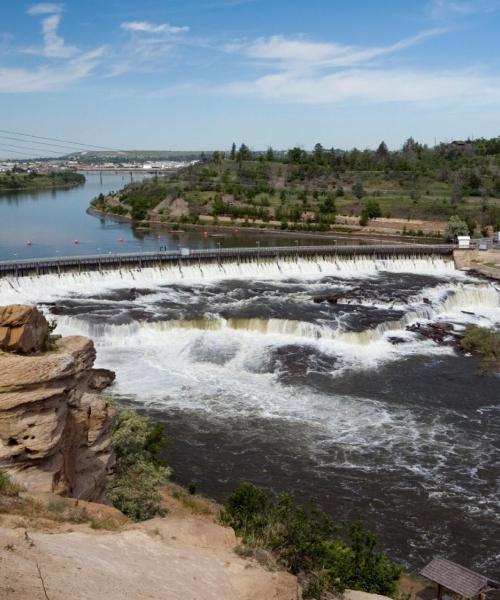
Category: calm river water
[53,220]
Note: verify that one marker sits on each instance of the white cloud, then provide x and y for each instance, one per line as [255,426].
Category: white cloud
[442,9]
[374,86]
[49,78]
[148,27]
[298,52]
[310,72]
[45,8]
[54,45]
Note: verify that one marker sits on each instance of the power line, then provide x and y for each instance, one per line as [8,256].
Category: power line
[17,152]
[29,148]
[40,137]
[6,137]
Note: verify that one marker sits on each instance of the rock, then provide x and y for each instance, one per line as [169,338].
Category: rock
[101,379]
[397,340]
[148,562]
[437,332]
[54,428]
[330,298]
[23,329]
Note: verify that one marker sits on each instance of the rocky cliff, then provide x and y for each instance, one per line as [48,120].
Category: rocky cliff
[54,426]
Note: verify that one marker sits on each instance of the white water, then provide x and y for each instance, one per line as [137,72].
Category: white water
[232,371]
[51,287]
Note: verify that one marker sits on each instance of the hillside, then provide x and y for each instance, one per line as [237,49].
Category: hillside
[311,191]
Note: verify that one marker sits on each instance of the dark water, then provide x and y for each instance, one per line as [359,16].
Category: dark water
[53,220]
[405,437]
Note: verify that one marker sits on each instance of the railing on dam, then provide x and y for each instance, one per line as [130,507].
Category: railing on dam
[95,262]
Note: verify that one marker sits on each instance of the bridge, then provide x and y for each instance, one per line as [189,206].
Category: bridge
[139,260]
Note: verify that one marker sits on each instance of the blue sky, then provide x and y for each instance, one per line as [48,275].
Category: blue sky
[198,74]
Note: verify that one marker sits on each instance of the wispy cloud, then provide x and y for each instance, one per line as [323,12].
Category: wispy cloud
[54,45]
[45,8]
[288,52]
[147,27]
[60,64]
[311,72]
[443,9]
[372,86]
[148,47]
[47,78]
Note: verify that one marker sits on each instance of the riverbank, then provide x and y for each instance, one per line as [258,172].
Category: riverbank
[484,262]
[38,182]
[227,226]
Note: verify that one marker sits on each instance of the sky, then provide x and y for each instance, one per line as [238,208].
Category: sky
[200,74]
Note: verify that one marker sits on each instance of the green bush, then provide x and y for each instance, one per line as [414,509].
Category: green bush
[304,539]
[135,486]
[486,342]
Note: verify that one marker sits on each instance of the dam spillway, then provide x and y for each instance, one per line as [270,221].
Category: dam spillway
[192,257]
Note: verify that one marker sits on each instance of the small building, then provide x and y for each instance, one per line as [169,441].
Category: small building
[463,241]
[455,579]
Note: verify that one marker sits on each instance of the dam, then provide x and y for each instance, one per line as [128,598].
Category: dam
[187,256]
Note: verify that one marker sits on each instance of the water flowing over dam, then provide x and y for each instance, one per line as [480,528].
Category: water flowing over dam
[257,376]
[186,257]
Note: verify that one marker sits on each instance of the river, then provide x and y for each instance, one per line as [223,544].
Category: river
[255,381]
[55,223]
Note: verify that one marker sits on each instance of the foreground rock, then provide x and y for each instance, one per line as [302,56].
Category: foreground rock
[178,557]
[22,329]
[54,426]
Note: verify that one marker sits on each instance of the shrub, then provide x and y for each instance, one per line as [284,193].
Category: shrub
[486,342]
[7,488]
[304,539]
[135,486]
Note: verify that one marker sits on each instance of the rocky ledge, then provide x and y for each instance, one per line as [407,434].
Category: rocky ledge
[55,428]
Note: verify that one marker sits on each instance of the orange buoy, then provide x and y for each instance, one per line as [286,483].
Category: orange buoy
[120,240]
[205,233]
[158,237]
[29,243]
[76,242]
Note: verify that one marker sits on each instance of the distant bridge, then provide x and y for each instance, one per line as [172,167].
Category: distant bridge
[184,256]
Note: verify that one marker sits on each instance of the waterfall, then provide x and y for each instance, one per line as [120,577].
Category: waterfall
[45,288]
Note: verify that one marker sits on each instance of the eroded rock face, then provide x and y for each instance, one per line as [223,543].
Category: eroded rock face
[54,426]
[22,329]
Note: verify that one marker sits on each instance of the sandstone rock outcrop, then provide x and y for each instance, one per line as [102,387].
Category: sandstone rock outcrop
[22,329]
[54,426]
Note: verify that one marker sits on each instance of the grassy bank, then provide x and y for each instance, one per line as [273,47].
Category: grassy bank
[418,186]
[22,180]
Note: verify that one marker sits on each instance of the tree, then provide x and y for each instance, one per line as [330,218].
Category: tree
[371,210]
[295,155]
[382,152]
[409,147]
[270,154]
[457,226]
[233,152]
[318,153]
[358,190]
[243,153]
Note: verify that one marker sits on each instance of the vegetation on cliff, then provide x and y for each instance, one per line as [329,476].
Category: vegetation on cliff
[305,540]
[27,180]
[135,486]
[487,343]
[307,190]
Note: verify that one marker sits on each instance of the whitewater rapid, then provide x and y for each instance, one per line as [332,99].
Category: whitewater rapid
[252,376]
